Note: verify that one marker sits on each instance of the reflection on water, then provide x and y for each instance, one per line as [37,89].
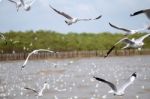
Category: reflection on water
[72,78]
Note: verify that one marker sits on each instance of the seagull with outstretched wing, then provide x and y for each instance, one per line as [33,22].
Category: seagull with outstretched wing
[133,43]
[115,90]
[40,92]
[35,52]
[127,30]
[124,40]
[20,3]
[70,20]
[26,6]
[145,11]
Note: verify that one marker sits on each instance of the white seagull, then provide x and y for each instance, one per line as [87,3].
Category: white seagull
[20,3]
[3,37]
[40,92]
[133,43]
[145,11]
[70,20]
[115,90]
[35,52]
[127,30]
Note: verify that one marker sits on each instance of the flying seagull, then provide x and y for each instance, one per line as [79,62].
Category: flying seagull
[133,43]
[127,30]
[3,38]
[27,7]
[70,20]
[35,52]
[40,92]
[20,3]
[145,11]
[115,90]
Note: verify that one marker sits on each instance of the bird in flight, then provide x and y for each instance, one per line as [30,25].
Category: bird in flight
[35,52]
[133,43]
[20,3]
[70,20]
[118,91]
[128,32]
[145,11]
[40,92]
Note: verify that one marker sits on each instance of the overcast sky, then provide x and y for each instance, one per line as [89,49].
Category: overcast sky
[42,17]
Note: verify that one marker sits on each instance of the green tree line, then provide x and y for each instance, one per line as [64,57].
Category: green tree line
[30,40]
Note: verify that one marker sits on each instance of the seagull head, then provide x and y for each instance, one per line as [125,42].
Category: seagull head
[27,7]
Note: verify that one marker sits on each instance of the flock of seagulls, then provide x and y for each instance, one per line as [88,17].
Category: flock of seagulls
[133,43]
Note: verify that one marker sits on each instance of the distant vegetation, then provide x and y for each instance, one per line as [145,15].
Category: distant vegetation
[29,40]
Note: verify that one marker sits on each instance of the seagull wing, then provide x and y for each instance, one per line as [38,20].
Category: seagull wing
[90,18]
[13,1]
[107,82]
[123,29]
[31,89]
[32,2]
[24,64]
[142,38]
[45,50]
[110,50]
[137,12]
[127,41]
[22,2]
[129,82]
[147,13]
[62,13]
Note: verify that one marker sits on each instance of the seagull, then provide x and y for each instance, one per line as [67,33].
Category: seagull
[20,3]
[70,20]
[35,52]
[145,11]
[40,92]
[115,90]
[127,30]
[133,43]
[27,7]
[3,37]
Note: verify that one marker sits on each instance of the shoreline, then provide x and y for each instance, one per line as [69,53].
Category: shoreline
[73,54]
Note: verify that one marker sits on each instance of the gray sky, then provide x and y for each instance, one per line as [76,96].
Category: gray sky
[42,17]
